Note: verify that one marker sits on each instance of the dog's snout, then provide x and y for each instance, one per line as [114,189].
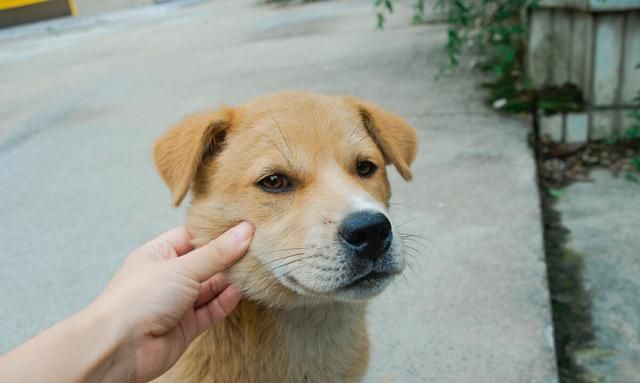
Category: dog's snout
[367,233]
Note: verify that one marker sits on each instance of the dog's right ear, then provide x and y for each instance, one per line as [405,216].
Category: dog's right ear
[180,151]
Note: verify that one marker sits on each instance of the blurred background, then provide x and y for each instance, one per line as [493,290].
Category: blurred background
[525,197]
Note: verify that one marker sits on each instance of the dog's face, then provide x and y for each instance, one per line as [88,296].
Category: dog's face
[309,172]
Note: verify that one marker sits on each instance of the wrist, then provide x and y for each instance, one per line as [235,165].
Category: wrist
[109,351]
[90,346]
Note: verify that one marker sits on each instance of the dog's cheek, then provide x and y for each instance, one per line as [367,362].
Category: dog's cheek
[247,274]
[209,217]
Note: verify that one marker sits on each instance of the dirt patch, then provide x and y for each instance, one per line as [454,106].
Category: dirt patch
[561,164]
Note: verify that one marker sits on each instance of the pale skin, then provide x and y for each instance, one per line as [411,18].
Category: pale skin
[163,297]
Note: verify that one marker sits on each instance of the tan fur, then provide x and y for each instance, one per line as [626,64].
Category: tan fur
[291,326]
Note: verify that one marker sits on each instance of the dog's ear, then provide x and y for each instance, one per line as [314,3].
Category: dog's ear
[180,151]
[394,136]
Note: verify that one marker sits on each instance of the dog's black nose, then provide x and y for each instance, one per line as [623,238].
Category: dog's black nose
[367,233]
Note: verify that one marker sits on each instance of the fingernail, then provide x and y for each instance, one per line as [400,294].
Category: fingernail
[243,231]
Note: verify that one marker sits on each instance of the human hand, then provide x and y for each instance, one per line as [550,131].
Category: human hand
[166,294]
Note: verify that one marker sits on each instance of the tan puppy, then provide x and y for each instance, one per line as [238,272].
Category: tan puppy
[309,171]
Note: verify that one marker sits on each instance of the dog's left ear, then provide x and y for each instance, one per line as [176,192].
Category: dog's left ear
[394,136]
[180,151]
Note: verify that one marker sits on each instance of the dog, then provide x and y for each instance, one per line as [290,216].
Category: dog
[309,171]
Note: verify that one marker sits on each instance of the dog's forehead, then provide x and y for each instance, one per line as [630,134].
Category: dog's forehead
[297,111]
[301,122]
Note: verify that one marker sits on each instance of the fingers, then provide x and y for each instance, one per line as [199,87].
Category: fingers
[172,243]
[220,253]
[179,239]
[217,309]
[211,289]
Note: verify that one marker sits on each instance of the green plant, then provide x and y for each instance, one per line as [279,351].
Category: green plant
[386,7]
[633,133]
[383,6]
[493,29]
[629,141]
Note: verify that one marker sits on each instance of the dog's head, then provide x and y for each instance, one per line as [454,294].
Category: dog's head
[309,171]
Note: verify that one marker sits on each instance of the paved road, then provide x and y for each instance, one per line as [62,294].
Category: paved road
[97,7]
[79,109]
[602,217]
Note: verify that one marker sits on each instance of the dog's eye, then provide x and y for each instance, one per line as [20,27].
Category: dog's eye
[366,169]
[275,183]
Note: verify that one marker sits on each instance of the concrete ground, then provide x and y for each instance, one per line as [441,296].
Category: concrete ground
[96,7]
[602,217]
[81,105]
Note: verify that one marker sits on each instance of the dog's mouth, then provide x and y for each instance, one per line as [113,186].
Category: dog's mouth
[345,276]
[371,280]
[363,287]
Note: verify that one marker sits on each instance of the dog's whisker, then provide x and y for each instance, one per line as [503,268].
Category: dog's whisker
[263,265]
[281,259]
[281,132]
[406,222]
[288,263]
[407,235]
[409,266]
[414,241]
[362,139]
[323,268]
[271,252]
[278,148]
[411,253]
[412,249]
[285,274]
[415,237]
[355,129]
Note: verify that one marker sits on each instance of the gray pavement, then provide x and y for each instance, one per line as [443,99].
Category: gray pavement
[602,217]
[80,108]
[97,7]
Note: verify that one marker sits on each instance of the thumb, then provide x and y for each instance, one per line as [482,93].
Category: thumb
[219,254]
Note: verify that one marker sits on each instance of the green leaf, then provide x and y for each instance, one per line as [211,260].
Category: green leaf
[631,177]
[611,140]
[380,21]
[636,162]
[633,132]
[389,5]
[555,193]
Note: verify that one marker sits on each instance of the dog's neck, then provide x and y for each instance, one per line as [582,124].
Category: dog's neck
[329,316]
[323,336]
[314,343]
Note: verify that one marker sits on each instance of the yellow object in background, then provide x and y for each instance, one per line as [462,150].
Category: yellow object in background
[14,12]
[8,4]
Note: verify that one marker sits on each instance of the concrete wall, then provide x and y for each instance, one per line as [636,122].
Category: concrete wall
[595,47]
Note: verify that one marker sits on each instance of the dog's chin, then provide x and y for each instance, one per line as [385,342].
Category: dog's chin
[365,287]
[358,289]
